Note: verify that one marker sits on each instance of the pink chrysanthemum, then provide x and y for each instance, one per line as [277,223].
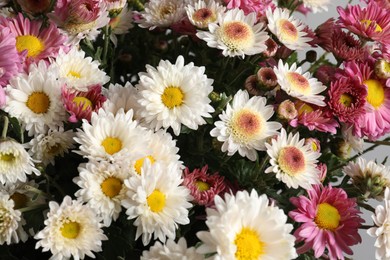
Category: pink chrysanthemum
[375,122]
[10,61]
[249,6]
[325,74]
[371,22]
[80,105]
[34,41]
[347,99]
[330,220]
[204,186]
[314,118]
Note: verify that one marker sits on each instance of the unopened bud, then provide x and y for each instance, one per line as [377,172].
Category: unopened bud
[287,111]
[382,69]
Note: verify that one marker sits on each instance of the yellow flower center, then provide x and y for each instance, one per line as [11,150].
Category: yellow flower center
[249,246]
[140,162]
[7,157]
[367,23]
[31,43]
[111,186]
[314,146]
[304,108]
[156,201]
[346,100]
[112,145]
[327,217]
[236,35]
[20,200]
[376,93]
[70,229]
[246,125]
[74,74]
[38,102]
[202,186]
[291,160]
[172,97]
[288,31]
[298,83]
[85,102]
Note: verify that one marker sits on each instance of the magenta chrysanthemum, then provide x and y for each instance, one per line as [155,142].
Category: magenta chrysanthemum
[330,221]
[10,61]
[249,6]
[371,22]
[204,186]
[34,41]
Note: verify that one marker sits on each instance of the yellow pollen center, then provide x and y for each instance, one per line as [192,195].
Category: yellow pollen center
[111,186]
[20,200]
[246,125]
[314,146]
[376,92]
[236,35]
[7,157]
[85,102]
[298,83]
[140,162]
[304,108]
[38,102]
[288,31]
[172,97]
[291,160]
[70,230]
[249,246]
[386,67]
[156,201]
[367,23]
[202,186]
[74,74]
[112,145]
[204,16]
[327,217]
[346,100]
[31,43]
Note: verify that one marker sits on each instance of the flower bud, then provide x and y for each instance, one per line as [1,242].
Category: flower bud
[287,111]
[382,69]
[251,86]
[266,77]
[314,144]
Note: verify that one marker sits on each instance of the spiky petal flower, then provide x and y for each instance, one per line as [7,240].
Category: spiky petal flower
[10,61]
[246,226]
[248,6]
[244,125]
[10,219]
[330,220]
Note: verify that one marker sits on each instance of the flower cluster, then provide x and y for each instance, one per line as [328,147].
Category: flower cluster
[170,129]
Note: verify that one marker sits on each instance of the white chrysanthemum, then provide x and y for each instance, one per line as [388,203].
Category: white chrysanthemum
[381,230]
[35,100]
[171,251]
[356,142]
[56,142]
[121,97]
[174,94]
[247,226]
[299,85]
[293,162]
[202,13]
[78,71]
[101,186]
[114,5]
[236,34]
[317,6]
[161,13]
[71,229]
[10,219]
[371,178]
[244,127]
[107,137]
[121,23]
[288,30]
[157,202]
[15,162]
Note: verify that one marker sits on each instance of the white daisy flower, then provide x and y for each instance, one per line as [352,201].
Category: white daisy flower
[161,13]
[381,230]
[288,30]
[56,142]
[78,71]
[317,6]
[107,137]
[371,178]
[35,100]
[236,34]
[121,24]
[71,230]
[101,187]
[171,251]
[15,162]
[247,226]
[202,13]
[174,94]
[293,162]
[157,202]
[10,220]
[299,85]
[244,127]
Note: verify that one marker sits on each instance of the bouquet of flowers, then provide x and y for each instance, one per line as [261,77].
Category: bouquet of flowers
[190,129]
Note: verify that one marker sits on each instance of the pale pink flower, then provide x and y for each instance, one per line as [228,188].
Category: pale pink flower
[249,6]
[10,61]
[330,220]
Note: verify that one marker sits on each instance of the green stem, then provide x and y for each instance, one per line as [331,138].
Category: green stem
[106,44]
[365,227]
[380,142]
[264,163]
[5,127]
[30,208]
[54,183]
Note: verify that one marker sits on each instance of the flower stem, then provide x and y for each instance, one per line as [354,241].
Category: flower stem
[30,208]
[5,127]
